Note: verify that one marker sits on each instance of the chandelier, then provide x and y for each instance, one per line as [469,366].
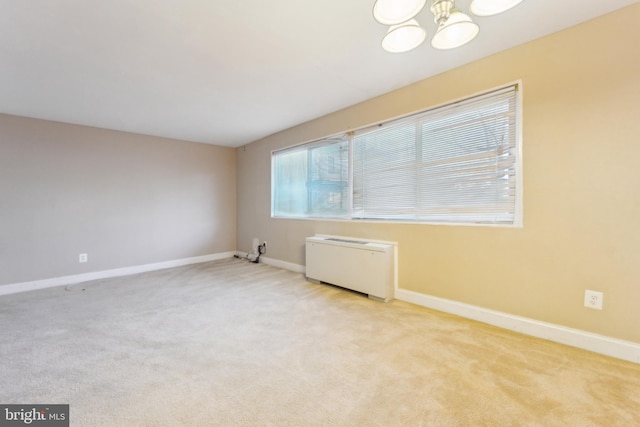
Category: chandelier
[454,27]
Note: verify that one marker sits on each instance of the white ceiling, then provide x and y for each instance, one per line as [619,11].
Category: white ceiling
[227,72]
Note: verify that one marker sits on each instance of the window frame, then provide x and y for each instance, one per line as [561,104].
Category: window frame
[517,222]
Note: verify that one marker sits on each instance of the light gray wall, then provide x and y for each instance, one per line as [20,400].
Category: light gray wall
[124,199]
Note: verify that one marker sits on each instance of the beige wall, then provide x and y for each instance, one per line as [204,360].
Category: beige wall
[124,199]
[581,92]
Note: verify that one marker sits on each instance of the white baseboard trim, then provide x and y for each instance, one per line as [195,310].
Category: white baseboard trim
[125,271]
[282,264]
[620,349]
[274,262]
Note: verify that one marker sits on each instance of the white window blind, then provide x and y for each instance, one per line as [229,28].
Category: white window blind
[312,180]
[455,163]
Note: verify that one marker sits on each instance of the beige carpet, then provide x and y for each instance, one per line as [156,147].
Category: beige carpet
[230,343]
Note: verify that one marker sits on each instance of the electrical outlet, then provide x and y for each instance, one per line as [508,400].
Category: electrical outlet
[264,244]
[593,299]
[83,258]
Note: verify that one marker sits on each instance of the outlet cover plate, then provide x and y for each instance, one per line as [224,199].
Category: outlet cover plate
[593,299]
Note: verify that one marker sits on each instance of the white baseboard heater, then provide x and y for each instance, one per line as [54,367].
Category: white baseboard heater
[362,266]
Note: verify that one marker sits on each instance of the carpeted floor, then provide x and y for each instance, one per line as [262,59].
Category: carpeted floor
[230,343]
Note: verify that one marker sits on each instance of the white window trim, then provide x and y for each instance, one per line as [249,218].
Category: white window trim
[518,221]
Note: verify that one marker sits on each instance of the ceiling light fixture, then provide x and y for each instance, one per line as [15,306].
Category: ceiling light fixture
[394,12]
[403,37]
[454,27]
[491,7]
